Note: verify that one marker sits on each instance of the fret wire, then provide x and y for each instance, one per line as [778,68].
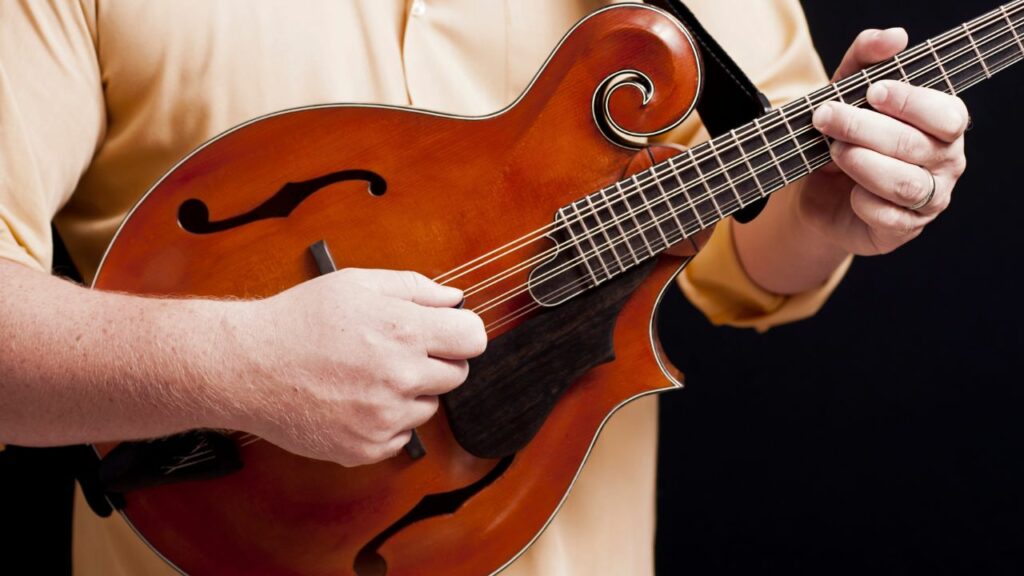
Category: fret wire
[579,248]
[899,66]
[604,231]
[792,135]
[1013,28]
[668,204]
[746,160]
[682,187]
[942,69]
[589,236]
[725,170]
[632,214]
[970,38]
[647,204]
[835,87]
[771,150]
[618,224]
[700,176]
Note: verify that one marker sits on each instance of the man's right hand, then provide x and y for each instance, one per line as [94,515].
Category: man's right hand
[342,367]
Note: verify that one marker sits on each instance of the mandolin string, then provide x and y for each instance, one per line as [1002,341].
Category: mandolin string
[824,159]
[603,228]
[910,56]
[605,246]
[632,215]
[248,438]
[974,80]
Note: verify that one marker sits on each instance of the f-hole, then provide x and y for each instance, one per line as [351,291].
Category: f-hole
[369,562]
[194,214]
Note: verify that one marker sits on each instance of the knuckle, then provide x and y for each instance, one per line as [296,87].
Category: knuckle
[414,282]
[386,422]
[851,127]
[402,377]
[909,190]
[402,331]
[888,218]
[959,165]
[364,454]
[903,99]
[906,145]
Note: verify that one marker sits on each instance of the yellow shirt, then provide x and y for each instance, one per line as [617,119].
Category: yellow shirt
[98,98]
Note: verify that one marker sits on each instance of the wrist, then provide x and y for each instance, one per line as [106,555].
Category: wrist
[215,362]
[817,237]
[784,252]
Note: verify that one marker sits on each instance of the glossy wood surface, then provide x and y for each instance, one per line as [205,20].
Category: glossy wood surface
[456,189]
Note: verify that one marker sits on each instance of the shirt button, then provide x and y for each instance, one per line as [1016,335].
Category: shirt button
[418,7]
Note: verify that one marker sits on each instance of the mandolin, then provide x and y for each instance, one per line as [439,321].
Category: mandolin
[558,244]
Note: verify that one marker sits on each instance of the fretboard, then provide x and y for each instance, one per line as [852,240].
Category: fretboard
[633,220]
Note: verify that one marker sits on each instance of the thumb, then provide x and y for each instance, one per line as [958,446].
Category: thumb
[871,47]
[411,286]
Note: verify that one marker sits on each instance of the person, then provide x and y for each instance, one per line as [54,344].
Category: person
[99,98]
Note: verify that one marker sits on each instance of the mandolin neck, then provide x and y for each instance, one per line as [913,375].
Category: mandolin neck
[633,220]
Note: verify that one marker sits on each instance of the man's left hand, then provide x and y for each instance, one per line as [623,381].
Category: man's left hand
[894,166]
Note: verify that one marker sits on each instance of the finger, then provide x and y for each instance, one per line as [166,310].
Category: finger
[896,181]
[871,47]
[889,226]
[394,446]
[422,410]
[943,116]
[453,334]
[880,133]
[406,285]
[438,376]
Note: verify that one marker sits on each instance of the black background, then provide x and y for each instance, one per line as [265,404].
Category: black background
[883,435]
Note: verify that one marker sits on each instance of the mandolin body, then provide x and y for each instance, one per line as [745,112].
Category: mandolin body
[410,190]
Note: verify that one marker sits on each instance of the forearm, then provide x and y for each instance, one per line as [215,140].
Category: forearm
[781,253]
[78,365]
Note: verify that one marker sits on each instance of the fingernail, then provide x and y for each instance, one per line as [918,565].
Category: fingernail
[878,93]
[822,115]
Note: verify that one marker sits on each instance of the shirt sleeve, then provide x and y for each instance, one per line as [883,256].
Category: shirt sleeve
[770,40]
[51,118]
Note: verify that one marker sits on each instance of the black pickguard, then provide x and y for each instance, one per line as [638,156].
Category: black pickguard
[514,385]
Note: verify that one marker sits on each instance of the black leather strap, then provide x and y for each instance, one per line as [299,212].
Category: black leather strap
[729,98]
